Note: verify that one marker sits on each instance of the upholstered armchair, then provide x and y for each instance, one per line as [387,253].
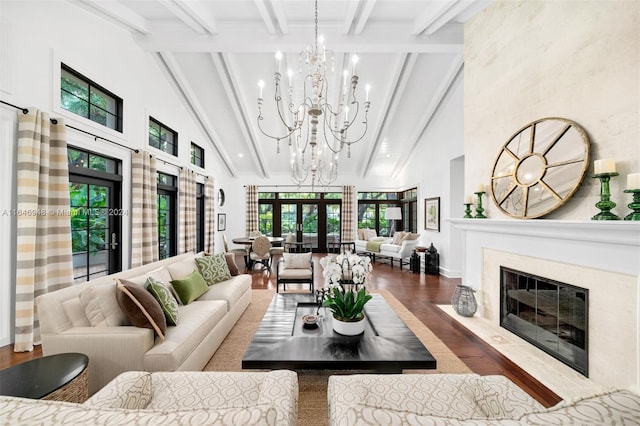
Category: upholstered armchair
[295,268]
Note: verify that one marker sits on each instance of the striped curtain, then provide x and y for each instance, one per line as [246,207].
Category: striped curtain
[43,247]
[348,213]
[144,211]
[187,209]
[209,215]
[252,209]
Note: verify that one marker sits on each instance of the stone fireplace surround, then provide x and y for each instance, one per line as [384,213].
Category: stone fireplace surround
[601,256]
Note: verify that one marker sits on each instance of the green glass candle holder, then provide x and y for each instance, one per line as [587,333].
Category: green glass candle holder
[467,211]
[605,204]
[479,208]
[633,205]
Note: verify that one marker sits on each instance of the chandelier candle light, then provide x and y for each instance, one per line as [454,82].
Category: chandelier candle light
[302,121]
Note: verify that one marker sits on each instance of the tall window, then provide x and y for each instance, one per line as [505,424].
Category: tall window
[200,200]
[82,96]
[162,137]
[197,155]
[409,200]
[96,214]
[372,207]
[167,221]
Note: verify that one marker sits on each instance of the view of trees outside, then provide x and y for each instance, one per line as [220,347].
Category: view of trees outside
[265,219]
[164,223]
[162,138]
[87,101]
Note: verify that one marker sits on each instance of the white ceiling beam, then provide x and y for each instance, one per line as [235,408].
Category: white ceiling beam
[456,10]
[266,17]
[177,11]
[364,17]
[229,84]
[199,13]
[192,104]
[122,14]
[441,91]
[245,40]
[400,77]
[434,12]
[350,16]
[278,11]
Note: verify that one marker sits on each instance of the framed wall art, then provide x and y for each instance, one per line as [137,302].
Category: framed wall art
[432,214]
[222,221]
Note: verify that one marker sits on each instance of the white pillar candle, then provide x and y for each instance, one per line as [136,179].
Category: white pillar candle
[607,165]
[633,181]
[480,188]
[468,199]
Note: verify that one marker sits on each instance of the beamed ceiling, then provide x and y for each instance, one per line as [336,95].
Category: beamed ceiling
[215,51]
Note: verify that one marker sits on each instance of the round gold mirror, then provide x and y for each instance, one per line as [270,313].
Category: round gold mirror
[540,168]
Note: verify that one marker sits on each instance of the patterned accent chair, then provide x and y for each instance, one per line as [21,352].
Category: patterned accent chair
[261,252]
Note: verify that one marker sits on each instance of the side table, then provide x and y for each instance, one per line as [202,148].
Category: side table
[60,377]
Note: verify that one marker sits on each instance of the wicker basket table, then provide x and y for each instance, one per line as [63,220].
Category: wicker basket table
[60,377]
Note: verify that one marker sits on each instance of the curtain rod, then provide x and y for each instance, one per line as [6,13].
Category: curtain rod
[176,166]
[54,121]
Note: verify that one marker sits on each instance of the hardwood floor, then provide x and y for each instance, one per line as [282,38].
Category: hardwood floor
[419,293]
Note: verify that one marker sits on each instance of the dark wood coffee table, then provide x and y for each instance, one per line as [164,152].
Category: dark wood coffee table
[60,377]
[281,341]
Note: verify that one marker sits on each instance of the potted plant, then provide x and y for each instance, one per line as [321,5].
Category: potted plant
[343,275]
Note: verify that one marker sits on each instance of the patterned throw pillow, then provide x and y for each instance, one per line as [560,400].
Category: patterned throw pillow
[213,268]
[165,299]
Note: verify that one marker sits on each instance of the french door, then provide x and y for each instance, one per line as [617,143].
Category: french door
[96,214]
[317,223]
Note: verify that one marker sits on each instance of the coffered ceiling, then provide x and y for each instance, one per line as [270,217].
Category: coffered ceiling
[215,51]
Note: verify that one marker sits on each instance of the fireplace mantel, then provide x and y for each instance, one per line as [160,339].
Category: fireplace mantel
[611,232]
[601,256]
[609,245]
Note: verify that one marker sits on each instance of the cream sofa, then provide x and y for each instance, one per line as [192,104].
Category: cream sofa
[178,398]
[391,248]
[464,399]
[112,350]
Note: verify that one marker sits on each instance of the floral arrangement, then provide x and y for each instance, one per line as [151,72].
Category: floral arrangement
[346,304]
[347,267]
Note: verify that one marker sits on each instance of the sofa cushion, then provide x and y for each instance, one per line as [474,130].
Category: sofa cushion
[397,237]
[296,260]
[165,299]
[231,290]
[231,263]
[76,313]
[131,390]
[19,411]
[390,248]
[182,268]
[213,268]
[368,234]
[190,287]
[161,275]
[101,306]
[140,307]
[197,320]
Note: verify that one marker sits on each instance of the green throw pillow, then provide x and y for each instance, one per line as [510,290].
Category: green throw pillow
[190,287]
[214,269]
[165,298]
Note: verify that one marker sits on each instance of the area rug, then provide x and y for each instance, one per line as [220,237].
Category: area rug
[312,402]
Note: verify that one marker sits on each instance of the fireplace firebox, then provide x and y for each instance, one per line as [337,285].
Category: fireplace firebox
[548,314]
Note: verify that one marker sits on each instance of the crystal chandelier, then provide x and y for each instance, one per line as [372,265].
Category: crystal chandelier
[313,117]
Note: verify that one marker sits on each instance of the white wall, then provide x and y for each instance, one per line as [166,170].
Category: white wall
[435,170]
[526,60]
[34,38]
